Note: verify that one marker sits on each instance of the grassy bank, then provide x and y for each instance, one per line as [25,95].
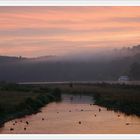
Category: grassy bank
[122,98]
[118,97]
[20,100]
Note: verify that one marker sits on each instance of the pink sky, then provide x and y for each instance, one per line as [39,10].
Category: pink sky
[37,31]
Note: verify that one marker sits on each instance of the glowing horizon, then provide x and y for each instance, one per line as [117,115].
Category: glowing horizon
[38,31]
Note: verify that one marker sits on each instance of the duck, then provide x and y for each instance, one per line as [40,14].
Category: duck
[99,109]
[79,122]
[127,123]
[11,129]
[27,122]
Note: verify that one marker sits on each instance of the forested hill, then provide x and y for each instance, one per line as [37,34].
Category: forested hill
[49,68]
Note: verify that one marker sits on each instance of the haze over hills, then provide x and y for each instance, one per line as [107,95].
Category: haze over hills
[96,66]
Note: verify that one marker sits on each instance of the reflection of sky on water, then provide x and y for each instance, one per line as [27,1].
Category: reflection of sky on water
[77,99]
[64,117]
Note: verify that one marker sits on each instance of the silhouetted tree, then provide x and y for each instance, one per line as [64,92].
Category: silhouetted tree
[135,71]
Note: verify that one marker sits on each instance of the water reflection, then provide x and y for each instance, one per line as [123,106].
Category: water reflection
[74,114]
[77,99]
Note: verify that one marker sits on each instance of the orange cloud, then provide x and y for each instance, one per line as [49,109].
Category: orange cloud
[37,29]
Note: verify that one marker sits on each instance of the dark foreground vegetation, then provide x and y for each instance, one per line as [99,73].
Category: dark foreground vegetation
[117,97]
[19,100]
[122,98]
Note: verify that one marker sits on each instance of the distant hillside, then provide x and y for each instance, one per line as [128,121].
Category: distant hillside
[48,68]
[4,59]
[128,51]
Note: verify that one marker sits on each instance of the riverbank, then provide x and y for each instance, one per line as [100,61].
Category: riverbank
[75,114]
[118,97]
[18,101]
[21,100]
[123,98]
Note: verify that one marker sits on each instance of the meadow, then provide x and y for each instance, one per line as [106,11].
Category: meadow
[18,100]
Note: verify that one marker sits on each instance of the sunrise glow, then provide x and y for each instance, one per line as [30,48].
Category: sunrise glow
[38,31]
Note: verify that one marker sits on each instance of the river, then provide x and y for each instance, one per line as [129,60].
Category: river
[75,114]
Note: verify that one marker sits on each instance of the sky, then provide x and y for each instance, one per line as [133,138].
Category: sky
[42,31]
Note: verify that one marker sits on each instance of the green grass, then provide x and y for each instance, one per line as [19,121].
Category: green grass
[18,100]
[118,97]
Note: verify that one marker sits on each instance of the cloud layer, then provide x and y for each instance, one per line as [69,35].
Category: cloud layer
[36,31]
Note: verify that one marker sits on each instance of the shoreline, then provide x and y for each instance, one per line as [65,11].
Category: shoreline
[120,98]
[30,106]
[124,99]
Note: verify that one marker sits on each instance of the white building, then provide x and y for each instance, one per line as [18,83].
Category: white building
[123,78]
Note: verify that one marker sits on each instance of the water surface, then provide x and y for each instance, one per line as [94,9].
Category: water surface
[74,115]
